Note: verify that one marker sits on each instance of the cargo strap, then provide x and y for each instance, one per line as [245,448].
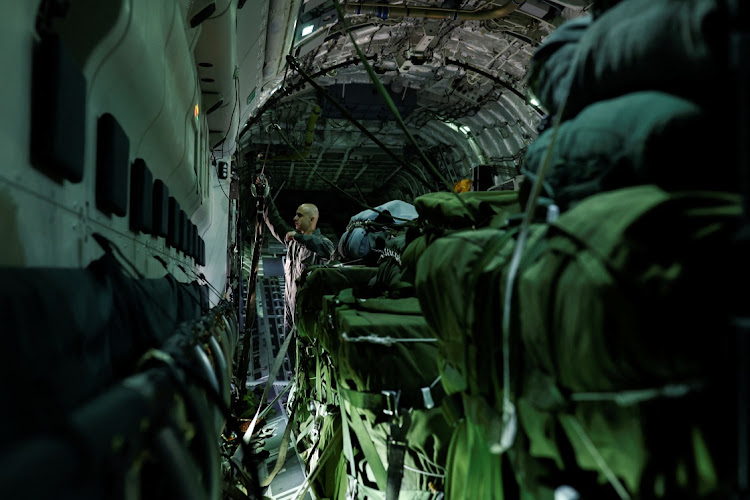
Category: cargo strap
[389,402]
[386,341]
[368,447]
[396,451]
[375,494]
[397,444]
[322,462]
[596,455]
[290,421]
[269,383]
[347,439]
[283,448]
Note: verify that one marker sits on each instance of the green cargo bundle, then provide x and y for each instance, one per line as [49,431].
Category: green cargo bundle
[461,309]
[411,255]
[321,280]
[675,46]
[318,421]
[606,360]
[392,280]
[442,213]
[629,140]
[445,211]
[625,334]
[379,331]
[460,284]
[607,305]
[388,385]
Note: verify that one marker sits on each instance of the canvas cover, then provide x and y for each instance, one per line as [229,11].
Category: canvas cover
[612,353]
[638,138]
[604,352]
[453,299]
[674,46]
[321,280]
[441,211]
[370,230]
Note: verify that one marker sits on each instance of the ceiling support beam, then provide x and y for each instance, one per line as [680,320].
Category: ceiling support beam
[291,170]
[343,163]
[276,98]
[361,171]
[315,167]
[295,65]
[384,11]
[495,79]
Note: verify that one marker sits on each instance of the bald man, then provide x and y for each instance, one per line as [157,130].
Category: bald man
[305,246]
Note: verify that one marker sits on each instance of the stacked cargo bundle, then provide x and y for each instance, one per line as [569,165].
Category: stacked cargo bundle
[317,420]
[595,371]
[371,359]
[602,363]
[459,275]
[390,397]
[612,324]
[374,350]
[630,89]
[614,311]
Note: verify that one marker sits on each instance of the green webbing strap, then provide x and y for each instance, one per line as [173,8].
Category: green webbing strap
[396,451]
[318,381]
[374,494]
[368,448]
[637,396]
[269,383]
[321,463]
[332,396]
[424,399]
[368,492]
[364,400]
[601,463]
[305,428]
[348,451]
[281,459]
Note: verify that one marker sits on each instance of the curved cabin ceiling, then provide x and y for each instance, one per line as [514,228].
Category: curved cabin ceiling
[455,71]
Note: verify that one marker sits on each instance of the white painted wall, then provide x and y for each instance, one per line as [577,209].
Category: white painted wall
[142,71]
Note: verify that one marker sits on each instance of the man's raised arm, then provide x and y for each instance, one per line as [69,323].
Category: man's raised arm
[275,222]
[316,243]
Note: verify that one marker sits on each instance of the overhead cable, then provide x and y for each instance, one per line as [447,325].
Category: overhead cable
[389,102]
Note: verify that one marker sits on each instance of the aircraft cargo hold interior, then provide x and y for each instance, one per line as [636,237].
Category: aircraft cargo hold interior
[359,250]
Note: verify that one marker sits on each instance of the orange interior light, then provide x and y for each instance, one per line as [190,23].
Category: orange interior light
[197,110]
[462,186]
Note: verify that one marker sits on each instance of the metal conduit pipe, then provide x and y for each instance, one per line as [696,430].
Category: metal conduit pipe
[384,11]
